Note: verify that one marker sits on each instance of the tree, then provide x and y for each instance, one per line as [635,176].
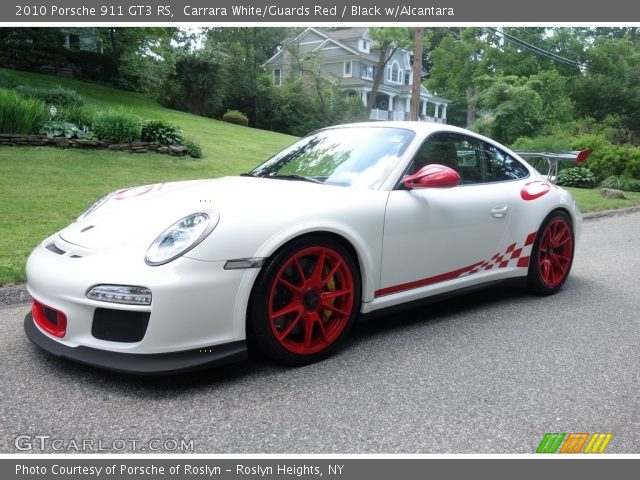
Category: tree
[514,108]
[246,49]
[198,84]
[387,42]
[458,61]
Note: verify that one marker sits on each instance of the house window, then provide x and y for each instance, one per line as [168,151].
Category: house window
[363,46]
[347,69]
[277,76]
[394,73]
[367,72]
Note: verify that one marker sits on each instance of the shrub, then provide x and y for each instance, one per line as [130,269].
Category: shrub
[580,177]
[58,96]
[621,182]
[19,114]
[162,132]
[57,128]
[193,147]
[608,159]
[81,116]
[116,126]
[234,116]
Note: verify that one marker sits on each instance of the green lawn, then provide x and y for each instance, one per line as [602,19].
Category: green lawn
[43,189]
[591,200]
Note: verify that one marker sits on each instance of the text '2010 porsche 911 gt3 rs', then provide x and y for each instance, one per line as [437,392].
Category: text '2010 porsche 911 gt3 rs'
[349,220]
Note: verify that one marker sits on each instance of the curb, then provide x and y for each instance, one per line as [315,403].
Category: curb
[610,213]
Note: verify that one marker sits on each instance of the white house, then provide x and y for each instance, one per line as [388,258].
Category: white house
[348,59]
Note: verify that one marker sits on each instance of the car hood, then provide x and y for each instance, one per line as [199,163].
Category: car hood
[136,216]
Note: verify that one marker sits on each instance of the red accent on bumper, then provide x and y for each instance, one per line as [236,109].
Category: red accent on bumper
[49,319]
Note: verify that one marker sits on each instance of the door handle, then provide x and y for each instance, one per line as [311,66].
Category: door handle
[500,211]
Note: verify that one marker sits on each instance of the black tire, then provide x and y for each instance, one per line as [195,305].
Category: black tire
[552,254]
[320,313]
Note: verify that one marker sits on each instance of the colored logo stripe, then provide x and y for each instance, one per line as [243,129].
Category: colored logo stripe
[550,443]
[598,443]
[573,442]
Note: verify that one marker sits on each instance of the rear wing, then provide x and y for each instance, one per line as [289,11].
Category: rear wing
[554,158]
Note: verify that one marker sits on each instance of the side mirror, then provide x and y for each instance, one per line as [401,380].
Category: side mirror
[433,176]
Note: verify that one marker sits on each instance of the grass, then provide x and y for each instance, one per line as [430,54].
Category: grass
[43,189]
[590,200]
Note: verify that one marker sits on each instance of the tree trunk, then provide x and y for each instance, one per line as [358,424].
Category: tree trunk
[382,61]
[471,106]
[417,74]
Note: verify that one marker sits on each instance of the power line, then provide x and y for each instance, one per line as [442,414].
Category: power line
[583,67]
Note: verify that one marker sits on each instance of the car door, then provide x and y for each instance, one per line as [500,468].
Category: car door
[434,237]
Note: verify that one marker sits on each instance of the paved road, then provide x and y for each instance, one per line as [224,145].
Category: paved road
[485,373]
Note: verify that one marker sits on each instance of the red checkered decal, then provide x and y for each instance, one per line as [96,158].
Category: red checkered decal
[513,256]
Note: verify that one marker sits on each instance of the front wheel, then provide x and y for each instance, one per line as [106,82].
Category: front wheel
[305,301]
[552,254]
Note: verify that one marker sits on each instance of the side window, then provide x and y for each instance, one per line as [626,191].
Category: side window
[459,152]
[501,166]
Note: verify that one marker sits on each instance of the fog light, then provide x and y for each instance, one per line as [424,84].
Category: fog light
[128,295]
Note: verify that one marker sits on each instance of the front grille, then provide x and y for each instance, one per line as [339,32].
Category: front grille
[119,325]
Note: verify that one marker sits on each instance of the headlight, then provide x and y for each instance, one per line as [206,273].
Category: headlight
[96,205]
[179,238]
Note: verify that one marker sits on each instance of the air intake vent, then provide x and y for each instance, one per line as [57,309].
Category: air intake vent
[52,248]
[119,325]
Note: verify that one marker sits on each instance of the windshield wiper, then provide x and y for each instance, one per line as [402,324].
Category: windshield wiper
[296,177]
[247,174]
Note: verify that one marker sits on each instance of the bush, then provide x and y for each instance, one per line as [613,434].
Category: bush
[193,147]
[608,159]
[621,182]
[579,177]
[56,128]
[116,126]
[58,96]
[234,116]
[19,114]
[162,132]
[81,116]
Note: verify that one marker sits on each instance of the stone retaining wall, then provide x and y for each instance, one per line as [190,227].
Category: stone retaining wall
[17,140]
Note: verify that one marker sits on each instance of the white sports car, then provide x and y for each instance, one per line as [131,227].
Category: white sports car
[349,220]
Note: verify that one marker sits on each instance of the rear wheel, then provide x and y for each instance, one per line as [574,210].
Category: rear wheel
[552,254]
[305,301]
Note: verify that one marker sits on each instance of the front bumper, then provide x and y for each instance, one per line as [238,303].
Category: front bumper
[140,364]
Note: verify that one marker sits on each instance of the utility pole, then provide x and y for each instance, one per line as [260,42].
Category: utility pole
[417,73]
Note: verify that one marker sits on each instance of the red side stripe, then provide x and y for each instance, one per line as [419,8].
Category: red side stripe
[443,277]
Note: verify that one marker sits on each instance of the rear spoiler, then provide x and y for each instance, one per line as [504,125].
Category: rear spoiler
[554,158]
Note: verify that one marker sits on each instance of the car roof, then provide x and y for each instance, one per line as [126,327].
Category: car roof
[418,127]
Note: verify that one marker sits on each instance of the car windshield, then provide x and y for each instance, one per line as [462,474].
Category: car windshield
[350,156]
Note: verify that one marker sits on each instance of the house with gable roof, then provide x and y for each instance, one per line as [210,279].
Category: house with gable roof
[348,59]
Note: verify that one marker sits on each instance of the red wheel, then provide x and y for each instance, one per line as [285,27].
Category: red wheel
[305,301]
[552,254]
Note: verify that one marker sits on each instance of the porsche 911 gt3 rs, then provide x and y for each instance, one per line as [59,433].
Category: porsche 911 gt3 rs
[349,220]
